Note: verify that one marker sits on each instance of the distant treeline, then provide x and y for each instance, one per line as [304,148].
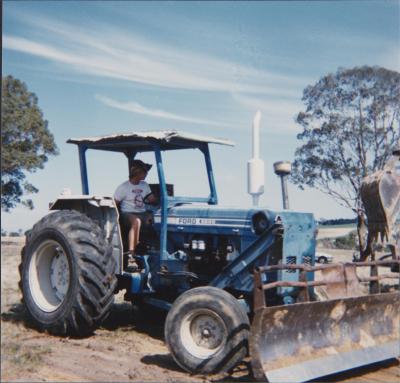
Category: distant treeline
[18,233]
[338,221]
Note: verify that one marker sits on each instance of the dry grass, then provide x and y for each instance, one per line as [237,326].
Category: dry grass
[24,357]
[18,356]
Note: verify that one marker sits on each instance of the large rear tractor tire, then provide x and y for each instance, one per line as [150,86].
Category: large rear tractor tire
[207,331]
[67,274]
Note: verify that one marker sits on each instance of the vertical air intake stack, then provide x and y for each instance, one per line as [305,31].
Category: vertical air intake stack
[255,166]
[283,169]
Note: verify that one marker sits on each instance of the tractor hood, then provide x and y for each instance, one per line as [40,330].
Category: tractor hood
[249,227]
[196,216]
[220,219]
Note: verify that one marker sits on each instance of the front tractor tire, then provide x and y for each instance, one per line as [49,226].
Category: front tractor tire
[207,331]
[67,274]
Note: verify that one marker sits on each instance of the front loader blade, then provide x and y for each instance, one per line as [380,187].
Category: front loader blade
[304,341]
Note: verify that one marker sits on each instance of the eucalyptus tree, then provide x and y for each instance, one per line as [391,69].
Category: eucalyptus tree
[26,142]
[350,127]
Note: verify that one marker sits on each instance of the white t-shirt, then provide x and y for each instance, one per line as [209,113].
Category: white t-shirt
[131,196]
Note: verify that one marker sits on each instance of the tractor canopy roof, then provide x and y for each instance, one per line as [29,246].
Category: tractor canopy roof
[144,141]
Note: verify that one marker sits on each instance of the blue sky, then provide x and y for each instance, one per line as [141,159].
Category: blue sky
[200,67]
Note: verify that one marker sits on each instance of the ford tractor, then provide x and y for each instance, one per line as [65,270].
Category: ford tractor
[233,280]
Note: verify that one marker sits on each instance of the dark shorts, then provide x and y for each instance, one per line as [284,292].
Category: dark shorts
[144,217]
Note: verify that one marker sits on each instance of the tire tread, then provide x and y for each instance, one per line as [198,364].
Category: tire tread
[96,271]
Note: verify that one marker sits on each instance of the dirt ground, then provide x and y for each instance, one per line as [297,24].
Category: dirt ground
[128,347]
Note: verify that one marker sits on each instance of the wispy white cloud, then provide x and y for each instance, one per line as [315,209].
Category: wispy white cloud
[120,54]
[124,55]
[28,46]
[179,71]
[135,107]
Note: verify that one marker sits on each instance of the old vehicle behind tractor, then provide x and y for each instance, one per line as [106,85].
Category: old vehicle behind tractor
[214,269]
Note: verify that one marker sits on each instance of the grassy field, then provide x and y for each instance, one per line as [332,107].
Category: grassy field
[334,231]
[344,226]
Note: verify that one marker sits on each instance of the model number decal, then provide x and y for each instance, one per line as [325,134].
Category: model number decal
[195,221]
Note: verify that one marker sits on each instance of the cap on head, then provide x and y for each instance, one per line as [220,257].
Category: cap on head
[138,166]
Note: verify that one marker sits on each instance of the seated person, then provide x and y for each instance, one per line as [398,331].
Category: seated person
[130,197]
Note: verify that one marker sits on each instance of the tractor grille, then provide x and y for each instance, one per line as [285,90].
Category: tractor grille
[291,260]
[307,260]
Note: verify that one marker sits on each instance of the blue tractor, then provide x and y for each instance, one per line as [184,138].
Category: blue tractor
[206,265]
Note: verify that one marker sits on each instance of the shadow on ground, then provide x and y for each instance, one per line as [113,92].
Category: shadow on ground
[17,314]
[123,317]
[241,373]
[145,320]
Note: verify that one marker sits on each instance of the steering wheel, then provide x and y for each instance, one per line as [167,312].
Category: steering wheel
[147,202]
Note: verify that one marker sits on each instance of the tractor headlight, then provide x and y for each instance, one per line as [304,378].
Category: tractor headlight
[260,222]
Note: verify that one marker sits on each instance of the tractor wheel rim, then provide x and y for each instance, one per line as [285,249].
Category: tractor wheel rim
[203,333]
[49,275]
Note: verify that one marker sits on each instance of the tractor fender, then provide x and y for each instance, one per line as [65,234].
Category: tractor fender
[104,211]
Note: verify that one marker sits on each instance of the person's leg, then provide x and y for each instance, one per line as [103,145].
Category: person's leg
[134,231]
[137,226]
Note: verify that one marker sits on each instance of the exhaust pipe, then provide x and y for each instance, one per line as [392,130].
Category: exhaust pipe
[255,166]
